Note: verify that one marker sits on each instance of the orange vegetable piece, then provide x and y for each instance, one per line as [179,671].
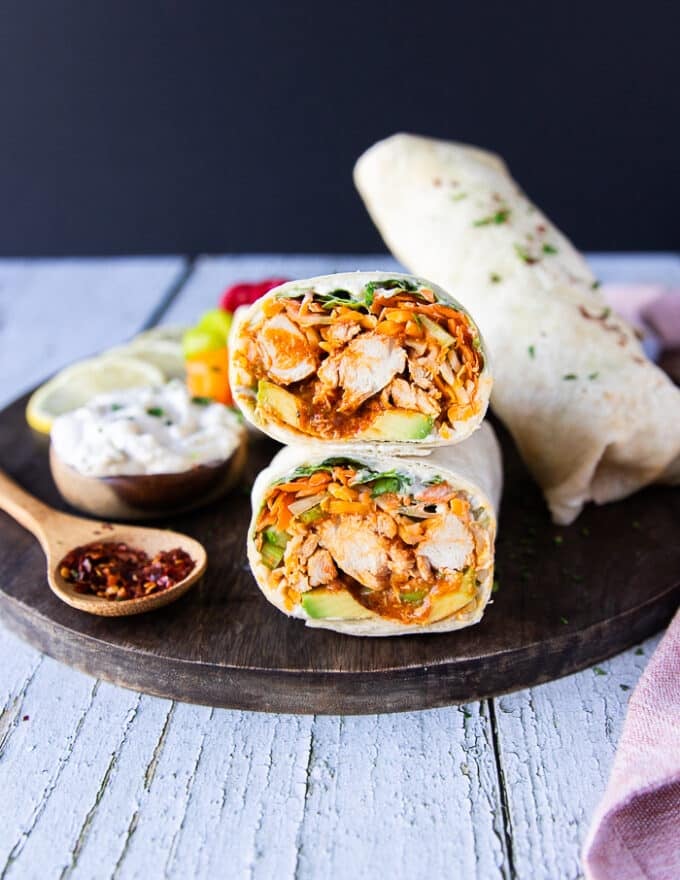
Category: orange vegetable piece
[208,375]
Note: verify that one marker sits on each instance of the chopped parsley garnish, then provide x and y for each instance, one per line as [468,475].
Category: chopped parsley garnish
[466,714]
[201,401]
[116,406]
[624,687]
[549,249]
[596,284]
[569,376]
[497,218]
[435,481]
[532,351]
[598,671]
[524,255]
[639,652]
[495,278]
[496,586]
[459,197]
[592,376]
[558,539]
[155,411]
[564,620]
[605,314]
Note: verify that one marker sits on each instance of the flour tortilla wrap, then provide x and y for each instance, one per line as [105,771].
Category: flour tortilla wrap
[593,418]
[362,356]
[388,562]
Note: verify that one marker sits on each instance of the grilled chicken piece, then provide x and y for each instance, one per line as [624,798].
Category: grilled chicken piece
[448,543]
[321,569]
[406,397]
[363,368]
[357,550]
[286,353]
[338,334]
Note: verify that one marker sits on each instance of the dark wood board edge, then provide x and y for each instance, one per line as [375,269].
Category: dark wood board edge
[336,693]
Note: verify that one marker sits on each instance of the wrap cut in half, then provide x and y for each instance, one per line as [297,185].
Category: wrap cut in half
[593,418]
[361,356]
[351,540]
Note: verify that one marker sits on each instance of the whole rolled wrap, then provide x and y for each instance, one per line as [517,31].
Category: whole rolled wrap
[593,418]
[349,539]
[361,356]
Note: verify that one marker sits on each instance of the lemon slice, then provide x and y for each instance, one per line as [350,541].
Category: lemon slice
[164,332]
[79,383]
[165,354]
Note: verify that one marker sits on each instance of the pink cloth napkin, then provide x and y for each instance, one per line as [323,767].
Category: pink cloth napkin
[635,834]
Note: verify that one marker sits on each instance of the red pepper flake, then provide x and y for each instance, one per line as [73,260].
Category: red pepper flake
[117,572]
[245,294]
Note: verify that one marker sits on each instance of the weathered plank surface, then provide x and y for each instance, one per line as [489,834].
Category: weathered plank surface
[101,782]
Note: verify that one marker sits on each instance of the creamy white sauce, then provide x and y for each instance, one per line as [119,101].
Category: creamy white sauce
[157,430]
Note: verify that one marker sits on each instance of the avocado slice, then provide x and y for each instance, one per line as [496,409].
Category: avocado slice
[336,604]
[448,603]
[442,336]
[279,401]
[399,424]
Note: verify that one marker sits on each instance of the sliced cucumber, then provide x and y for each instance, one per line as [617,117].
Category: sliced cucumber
[442,336]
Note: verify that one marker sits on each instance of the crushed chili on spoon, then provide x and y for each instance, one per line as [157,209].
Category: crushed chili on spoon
[117,572]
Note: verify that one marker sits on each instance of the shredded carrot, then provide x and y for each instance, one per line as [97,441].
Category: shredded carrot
[348,507]
[271,307]
[280,509]
[459,506]
[389,328]
[400,315]
[320,478]
[344,493]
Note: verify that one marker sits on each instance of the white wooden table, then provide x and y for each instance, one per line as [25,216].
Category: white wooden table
[97,781]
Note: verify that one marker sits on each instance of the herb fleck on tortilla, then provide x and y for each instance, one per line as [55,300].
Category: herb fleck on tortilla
[524,255]
[570,376]
[497,218]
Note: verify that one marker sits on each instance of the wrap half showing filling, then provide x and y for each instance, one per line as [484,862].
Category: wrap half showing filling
[364,355]
[374,546]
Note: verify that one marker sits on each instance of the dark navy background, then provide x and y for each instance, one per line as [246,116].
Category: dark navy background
[132,126]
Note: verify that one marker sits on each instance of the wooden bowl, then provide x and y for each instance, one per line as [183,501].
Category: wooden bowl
[146,496]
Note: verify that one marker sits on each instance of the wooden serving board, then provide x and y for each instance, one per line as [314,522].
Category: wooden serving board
[568,597]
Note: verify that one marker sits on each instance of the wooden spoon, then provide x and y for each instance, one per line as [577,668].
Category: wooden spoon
[59,532]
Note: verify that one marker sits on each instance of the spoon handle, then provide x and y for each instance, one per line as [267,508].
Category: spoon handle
[24,508]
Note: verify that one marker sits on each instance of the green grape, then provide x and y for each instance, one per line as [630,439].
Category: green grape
[199,339]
